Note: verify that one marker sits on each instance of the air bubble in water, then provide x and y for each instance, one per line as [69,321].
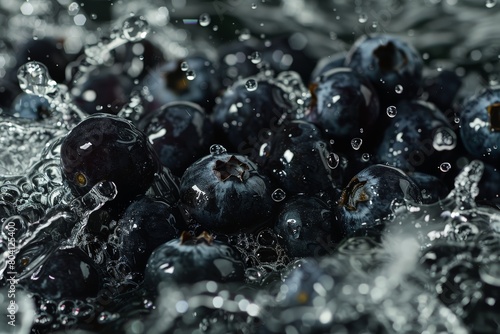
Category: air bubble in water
[399,89]
[491,3]
[278,195]
[204,20]
[445,167]
[217,149]
[184,66]
[333,160]
[363,18]
[135,28]
[255,57]
[391,111]
[356,143]
[190,75]
[251,85]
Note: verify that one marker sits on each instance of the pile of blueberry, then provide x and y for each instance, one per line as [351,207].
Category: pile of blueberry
[248,172]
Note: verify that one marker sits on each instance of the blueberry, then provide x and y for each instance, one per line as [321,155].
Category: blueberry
[300,160]
[30,107]
[308,226]
[180,132]
[344,104]
[442,88]
[368,198]
[226,193]
[107,147]
[237,60]
[432,188]
[419,138]
[189,260]
[489,185]
[145,225]
[103,91]
[480,125]
[67,273]
[392,65]
[250,109]
[190,79]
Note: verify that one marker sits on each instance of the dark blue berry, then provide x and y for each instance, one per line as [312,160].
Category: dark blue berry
[30,107]
[67,273]
[432,189]
[226,193]
[326,64]
[180,132]
[369,197]
[419,138]
[442,89]
[192,79]
[344,104]
[480,125]
[300,160]
[107,147]
[392,65]
[307,226]
[145,225]
[189,260]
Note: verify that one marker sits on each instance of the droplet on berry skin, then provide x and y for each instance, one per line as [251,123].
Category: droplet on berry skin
[278,195]
[217,149]
[333,160]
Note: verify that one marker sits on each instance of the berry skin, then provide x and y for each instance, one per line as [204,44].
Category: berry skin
[300,160]
[419,138]
[189,260]
[67,273]
[442,88]
[389,63]
[107,147]
[307,227]
[328,63]
[343,103]
[431,187]
[226,193]
[480,125]
[145,225]
[180,132]
[369,196]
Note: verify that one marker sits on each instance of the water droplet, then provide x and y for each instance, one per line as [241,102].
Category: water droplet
[445,167]
[135,28]
[190,74]
[255,57]
[251,85]
[365,157]
[294,228]
[399,89]
[217,149]
[363,18]
[254,6]
[491,3]
[333,160]
[184,66]
[444,139]
[391,111]
[204,20]
[34,79]
[356,143]
[278,195]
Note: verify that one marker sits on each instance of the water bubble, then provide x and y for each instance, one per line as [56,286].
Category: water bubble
[365,157]
[490,3]
[391,111]
[34,79]
[278,195]
[190,74]
[251,85]
[399,89]
[444,139]
[363,18]
[294,227]
[184,66]
[204,20]
[217,149]
[356,143]
[135,28]
[333,160]
[255,57]
[254,6]
[445,167]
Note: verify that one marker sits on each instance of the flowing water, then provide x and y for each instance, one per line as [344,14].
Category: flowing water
[436,268]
